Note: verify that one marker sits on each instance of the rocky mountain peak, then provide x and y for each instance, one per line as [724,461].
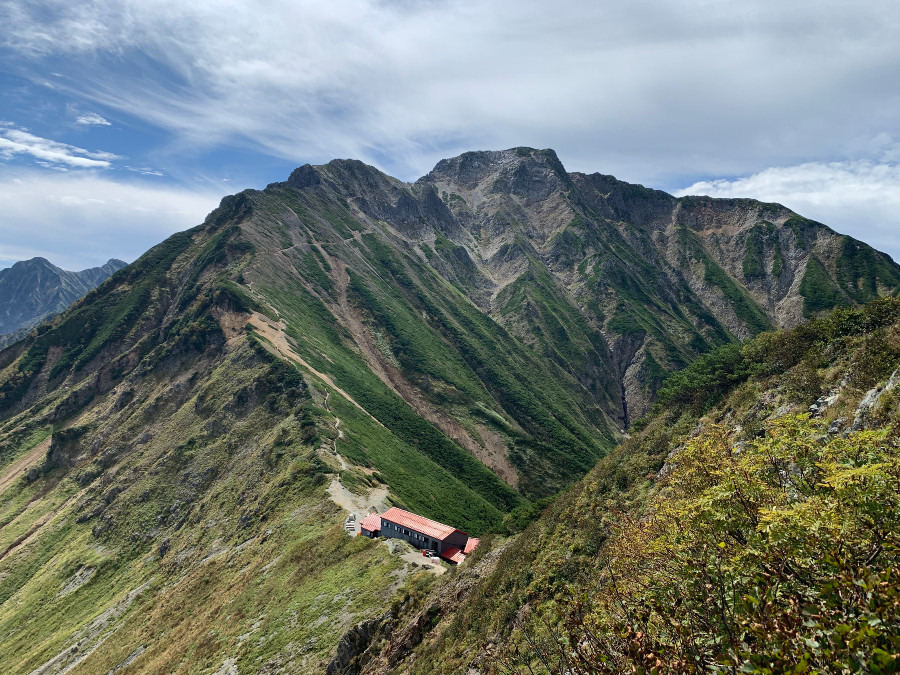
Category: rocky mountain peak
[32,289]
[530,174]
[347,177]
[33,264]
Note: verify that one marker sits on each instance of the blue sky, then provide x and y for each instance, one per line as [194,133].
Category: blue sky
[124,121]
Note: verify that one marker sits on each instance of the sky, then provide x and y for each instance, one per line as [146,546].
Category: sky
[123,121]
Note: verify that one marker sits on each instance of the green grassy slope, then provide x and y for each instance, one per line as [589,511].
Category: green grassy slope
[157,456]
[168,461]
[435,340]
[767,544]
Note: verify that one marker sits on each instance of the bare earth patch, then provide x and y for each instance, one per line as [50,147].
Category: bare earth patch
[276,337]
[21,465]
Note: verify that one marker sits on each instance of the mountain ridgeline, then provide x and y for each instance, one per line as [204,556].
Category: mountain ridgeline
[31,290]
[469,344]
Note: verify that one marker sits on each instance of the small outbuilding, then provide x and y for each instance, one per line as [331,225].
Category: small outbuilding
[371,525]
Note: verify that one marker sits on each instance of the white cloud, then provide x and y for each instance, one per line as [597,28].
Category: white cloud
[82,220]
[144,170]
[858,198]
[92,119]
[51,154]
[648,90]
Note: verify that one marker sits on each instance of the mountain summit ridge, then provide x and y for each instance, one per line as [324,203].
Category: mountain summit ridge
[714,267]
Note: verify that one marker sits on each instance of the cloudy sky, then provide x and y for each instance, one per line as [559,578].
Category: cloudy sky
[122,121]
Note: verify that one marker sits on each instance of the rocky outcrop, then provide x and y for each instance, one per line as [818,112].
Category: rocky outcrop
[870,402]
[349,657]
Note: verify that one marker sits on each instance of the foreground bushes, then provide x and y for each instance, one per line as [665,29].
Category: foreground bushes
[781,555]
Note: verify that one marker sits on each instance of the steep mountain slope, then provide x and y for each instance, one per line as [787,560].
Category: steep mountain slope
[465,344]
[651,279]
[164,459]
[31,290]
[754,530]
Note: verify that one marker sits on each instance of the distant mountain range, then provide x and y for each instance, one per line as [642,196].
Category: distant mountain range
[32,290]
[184,439]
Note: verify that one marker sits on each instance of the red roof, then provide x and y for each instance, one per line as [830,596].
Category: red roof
[426,526]
[471,544]
[371,522]
[453,554]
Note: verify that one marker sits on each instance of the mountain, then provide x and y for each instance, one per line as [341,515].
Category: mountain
[33,289]
[752,531]
[173,446]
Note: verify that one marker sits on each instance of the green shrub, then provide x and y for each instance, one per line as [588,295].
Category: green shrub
[819,292]
[778,558]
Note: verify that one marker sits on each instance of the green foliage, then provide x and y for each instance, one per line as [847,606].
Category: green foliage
[225,244]
[863,273]
[753,265]
[783,553]
[705,381]
[343,221]
[777,259]
[313,268]
[819,292]
[799,226]
[744,306]
[424,468]
[623,321]
[458,355]
[803,384]
[876,358]
[416,480]
[617,575]
[522,516]
[233,296]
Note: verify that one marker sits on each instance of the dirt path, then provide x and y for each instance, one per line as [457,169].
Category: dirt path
[24,463]
[276,337]
[361,505]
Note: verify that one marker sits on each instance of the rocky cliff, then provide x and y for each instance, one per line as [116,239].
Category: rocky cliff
[614,283]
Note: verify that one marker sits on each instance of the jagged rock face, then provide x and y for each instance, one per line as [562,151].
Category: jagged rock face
[31,290]
[527,313]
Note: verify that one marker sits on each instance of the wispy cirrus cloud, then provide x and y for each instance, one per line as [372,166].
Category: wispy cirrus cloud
[52,154]
[92,119]
[654,91]
[649,90]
